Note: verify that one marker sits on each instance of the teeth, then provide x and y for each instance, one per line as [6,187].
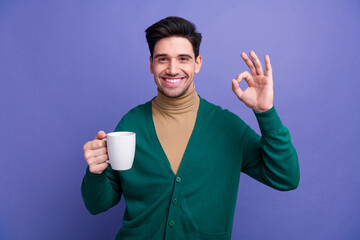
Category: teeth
[172,80]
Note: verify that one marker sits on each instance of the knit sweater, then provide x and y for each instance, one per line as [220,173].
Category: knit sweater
[199,201]
[174,120]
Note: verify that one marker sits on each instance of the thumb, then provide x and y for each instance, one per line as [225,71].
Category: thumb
[100,135]
[236,88]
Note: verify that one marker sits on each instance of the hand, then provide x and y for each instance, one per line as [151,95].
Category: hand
[260,93]
[95,153]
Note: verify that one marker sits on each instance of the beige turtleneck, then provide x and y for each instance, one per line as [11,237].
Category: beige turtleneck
[174,120]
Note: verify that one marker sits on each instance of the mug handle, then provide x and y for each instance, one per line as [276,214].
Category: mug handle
[105,139]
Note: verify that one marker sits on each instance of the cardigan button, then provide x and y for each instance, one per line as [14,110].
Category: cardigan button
[174,201]
[172,223]
[178,179]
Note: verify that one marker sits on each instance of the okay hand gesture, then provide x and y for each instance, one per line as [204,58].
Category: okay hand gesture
[259,95]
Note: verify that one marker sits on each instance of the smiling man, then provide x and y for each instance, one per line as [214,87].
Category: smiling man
[173,64]
[189,152]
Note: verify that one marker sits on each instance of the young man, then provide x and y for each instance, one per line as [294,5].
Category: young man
[189,152]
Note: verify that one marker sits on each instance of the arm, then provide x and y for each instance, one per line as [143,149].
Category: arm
[271,158]
[101,187]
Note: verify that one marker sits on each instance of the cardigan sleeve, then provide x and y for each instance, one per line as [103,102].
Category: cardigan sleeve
[271,158]
[101,191]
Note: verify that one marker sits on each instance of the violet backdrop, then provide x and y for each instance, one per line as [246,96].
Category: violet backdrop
[71,68]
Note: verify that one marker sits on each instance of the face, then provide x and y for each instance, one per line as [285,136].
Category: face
[173,65]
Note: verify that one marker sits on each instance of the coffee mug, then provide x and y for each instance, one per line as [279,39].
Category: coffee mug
[121,149]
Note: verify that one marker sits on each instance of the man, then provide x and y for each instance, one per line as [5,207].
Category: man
[189,152]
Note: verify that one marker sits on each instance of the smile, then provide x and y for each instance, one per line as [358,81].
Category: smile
[172,80]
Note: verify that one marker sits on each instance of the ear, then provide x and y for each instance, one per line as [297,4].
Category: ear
[151,66]
[198,63]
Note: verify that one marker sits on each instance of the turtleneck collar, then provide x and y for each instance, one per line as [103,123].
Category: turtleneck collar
[177,105]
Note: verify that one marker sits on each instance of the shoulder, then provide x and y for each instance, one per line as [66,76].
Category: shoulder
[138,111]
[221,122]
[217,113]
[135,117]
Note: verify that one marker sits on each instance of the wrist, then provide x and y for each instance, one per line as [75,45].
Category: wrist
[264,109]
[269,121]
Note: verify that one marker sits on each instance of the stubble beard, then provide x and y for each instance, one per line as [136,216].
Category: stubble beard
[177,95]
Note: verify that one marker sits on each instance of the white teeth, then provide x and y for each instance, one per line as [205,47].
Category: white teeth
[172,80]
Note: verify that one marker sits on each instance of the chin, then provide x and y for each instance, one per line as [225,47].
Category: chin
[172,94]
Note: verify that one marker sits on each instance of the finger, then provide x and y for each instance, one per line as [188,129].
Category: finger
[258,65]
[100,135]
[249,63]
[98,160]
[99,168]
[96,144]
[86,146]
[247,76]
[95,153]
[236,88]
[101,158]
[268,66]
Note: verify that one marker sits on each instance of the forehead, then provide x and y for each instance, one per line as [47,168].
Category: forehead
[173,46]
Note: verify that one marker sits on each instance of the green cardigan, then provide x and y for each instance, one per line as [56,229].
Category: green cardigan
[199,202]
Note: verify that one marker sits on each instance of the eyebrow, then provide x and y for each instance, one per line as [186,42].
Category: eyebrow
[165,55]
[160,55]
[186,55]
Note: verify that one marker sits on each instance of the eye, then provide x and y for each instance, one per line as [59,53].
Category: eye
[184,59]
[162,59]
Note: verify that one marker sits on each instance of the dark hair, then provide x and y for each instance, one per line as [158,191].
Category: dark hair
[173,26]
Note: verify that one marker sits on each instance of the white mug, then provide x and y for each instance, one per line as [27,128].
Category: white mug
[121,149]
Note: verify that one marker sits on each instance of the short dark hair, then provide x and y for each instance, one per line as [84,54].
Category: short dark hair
[173,26]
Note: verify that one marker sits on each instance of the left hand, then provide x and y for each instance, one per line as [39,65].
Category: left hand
[260,93]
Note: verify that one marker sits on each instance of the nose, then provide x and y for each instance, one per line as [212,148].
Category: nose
[173,68]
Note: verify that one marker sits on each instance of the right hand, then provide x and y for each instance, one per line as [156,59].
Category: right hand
[95,153]
[259,95]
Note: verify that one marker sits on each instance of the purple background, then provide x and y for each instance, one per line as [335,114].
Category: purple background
[70,68]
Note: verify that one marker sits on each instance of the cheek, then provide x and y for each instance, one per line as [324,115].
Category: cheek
[158,70]
[191,71]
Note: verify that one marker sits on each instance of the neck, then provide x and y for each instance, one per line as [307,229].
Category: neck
[180,104]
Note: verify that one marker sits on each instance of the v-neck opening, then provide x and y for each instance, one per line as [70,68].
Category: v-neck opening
[160,150]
